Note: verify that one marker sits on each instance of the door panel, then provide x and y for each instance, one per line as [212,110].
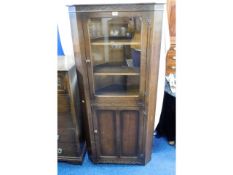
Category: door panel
[117,132]
[129,132]
[106,130]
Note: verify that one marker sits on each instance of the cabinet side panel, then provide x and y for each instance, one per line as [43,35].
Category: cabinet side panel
[75,101]
[83,114]
[106,125]
[129,132]
[153,71]
[79,53]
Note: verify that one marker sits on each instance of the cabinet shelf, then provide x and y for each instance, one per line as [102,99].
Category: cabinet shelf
[108,69]
[116,90]
[102,42]
[103,38]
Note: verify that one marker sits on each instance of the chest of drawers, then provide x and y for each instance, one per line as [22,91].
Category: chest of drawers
[71,145]
[171,60]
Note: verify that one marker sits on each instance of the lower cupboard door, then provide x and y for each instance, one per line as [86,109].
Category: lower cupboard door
[119,133]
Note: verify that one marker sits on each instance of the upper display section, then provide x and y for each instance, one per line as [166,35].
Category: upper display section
[115,31]
[115,55]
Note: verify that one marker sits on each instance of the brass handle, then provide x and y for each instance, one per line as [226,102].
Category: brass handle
[172,67]
[59,150]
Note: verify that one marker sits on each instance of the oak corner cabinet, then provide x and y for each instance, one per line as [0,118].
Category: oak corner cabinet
[117,51]
[71,143]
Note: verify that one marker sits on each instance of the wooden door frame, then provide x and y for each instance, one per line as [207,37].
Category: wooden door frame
[140,147]
[144,41]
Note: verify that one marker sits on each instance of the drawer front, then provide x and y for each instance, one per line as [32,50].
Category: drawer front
[67,149]
[170,70]
[171,52]
[61,83]
[67,135]
[65,120]
[63,103]
[171,61]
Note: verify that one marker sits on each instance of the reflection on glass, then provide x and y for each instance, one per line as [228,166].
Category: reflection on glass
[115,53]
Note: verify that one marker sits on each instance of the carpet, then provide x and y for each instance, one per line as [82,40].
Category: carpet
[162,163]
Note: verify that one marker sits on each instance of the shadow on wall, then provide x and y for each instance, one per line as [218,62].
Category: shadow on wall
[59,46]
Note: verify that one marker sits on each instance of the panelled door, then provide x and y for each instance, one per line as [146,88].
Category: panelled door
[116,57]
[119,133]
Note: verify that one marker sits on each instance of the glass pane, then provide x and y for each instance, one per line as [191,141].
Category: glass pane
[115,53]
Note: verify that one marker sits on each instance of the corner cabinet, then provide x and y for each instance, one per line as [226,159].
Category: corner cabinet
[117,50]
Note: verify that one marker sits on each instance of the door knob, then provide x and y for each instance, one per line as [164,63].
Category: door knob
[59,150]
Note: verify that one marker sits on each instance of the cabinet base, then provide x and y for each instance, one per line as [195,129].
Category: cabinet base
[118,161]
[74,160]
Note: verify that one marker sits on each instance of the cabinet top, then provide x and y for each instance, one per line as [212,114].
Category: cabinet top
[65,63]
[113,2]
[152,6]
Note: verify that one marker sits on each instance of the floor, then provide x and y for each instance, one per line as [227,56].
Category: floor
[162,163]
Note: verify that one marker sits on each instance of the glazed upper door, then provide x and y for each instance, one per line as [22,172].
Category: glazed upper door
[116,45]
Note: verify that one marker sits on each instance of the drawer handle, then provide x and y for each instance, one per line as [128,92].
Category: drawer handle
[173,67]
[58,136]
[88,61]
[83,101]
[174,58]
[95,131]
[59,150]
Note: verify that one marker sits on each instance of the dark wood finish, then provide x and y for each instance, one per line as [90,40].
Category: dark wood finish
[71,144]
[119,126]
[117,134]
[80,56]
[129,132]
[106,129]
